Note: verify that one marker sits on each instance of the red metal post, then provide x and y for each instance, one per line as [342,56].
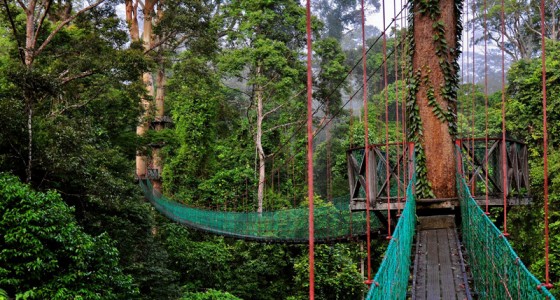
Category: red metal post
[387,166]
[547,284]
[310,155]
[411,164]
[366,146]
[459,157]
[504,152]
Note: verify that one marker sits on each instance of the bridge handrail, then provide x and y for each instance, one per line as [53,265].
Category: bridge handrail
[391,279]
[333,221]
[489,253]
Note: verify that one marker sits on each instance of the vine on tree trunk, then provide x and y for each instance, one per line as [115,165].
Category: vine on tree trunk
[448,57]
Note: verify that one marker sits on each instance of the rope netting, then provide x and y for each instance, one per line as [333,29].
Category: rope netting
[333,221]
[391,280]
[497,271]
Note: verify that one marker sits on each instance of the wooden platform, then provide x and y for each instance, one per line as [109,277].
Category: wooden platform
[439,271]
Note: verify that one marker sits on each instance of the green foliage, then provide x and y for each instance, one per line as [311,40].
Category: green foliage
[522,30]
[195,97]
[209,295]
[339,15]
[46,254]
[336,273]
[330,83]
[241,268]
[4,295]
[85,113]
[524,122]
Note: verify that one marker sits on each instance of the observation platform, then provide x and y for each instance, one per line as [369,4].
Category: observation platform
[390,167]
[439,271]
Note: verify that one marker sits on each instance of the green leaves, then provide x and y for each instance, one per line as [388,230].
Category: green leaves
[45,254]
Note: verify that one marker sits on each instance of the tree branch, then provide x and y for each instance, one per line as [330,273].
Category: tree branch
[22,5]
[55,113]
[14,30]
[65,80]
[272,111]
[283,125]
[41,21]
[64,23]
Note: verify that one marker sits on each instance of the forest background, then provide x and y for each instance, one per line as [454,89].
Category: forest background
[76,79]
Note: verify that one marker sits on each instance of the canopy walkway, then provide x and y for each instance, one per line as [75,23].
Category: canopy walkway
[496,270]
[334,221]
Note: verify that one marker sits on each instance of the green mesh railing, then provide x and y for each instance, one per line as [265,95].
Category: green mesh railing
[391,280]
[333,221]
[497,271]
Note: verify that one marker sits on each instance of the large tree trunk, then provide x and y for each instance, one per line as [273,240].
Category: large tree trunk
[35,15]
[160,113]
[258,141]
[437,140]
[28,60]
[147,79]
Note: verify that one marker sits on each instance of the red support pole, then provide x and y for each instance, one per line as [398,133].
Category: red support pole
[366,147]
[547,284]
[503,149]
[396,54]
[459,157]
[411,164]
[473,188]
[487,212]
[387,165]
[310,154]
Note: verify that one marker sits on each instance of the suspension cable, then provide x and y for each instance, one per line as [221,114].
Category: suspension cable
[341,109]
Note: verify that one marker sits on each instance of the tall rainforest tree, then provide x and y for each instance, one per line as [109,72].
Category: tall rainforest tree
[167,26]
[522,25]
[337,15]
[434,41]
[83,140]
[330,83]
[36,37]
[264,49]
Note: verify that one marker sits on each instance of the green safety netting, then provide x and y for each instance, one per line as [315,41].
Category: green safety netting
[391,280]
[497,271]
[333,221]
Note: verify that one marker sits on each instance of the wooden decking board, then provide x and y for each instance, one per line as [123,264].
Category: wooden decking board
[433,285]
[458,278]
[420,282]
[446,267]
[438,268]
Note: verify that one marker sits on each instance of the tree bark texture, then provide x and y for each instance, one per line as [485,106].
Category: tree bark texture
[147,78]
[258,142]
[437,140]
[160,113]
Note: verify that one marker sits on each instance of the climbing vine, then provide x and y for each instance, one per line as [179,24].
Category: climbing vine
[447,56]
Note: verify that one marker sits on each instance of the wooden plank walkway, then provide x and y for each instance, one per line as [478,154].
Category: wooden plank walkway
[439,271]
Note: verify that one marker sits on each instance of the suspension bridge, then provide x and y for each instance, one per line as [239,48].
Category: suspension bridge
[430,255]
